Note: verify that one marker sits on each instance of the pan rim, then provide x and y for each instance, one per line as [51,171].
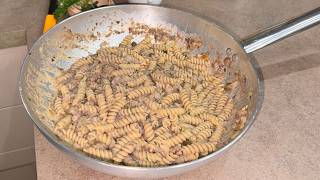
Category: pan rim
[66,148]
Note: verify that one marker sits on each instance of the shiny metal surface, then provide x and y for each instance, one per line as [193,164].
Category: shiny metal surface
[281,31]
[37,63]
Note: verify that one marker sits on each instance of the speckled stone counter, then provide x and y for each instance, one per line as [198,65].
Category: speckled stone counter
[284,141]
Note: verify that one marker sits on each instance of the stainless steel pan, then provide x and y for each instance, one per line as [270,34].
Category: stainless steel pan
[36,92]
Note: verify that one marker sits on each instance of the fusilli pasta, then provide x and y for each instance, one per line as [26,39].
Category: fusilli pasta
[141,92]
[154,103]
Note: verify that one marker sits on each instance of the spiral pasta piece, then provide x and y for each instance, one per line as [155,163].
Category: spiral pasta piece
[172,112]
[148,132]
[194,98]
[186,126]
[149,147]
[82,130]
[147,156]
[167,100]
[199,148]
[144,44]
[81,91]
[107,50]
[66,97]
[106,139]
[145,163]
[202,126]
[166,69]
[58,106]
[108,93]
[220,104]
[63,78]
[216,80]
[122,72]
[178,139]
[130,161]
[90,95]
[214,101]
[84,61]
[203,134]
[102,106]
[64,122]
[100,127]
[71,136]
[187,157]
[217,134]
[211,118]
[153,106]
[191,119]
[119,103]
[183,74]
[171,59]
[129,119]
[130,66]
[168,159]
[124,130]
[141,92]
[199,61]
[184,97]
[95,86]
[226,112]
[163,47]
[197,67]
[96,72]
[152,66]
[161,130]
[132,111]
[197,111]
[164,79]
[166,123]
[136,82]
[161,139]
[126,41]
[109,59]
[88,109]
[123,141]
[179,55]
[100,153]
[140,59]
[83,70]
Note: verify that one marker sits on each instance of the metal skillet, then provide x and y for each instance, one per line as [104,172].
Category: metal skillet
[36,92]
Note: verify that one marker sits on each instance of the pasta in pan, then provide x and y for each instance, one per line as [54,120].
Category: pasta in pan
[147,104]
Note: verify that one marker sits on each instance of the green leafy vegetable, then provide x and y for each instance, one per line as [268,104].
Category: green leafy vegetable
[63,6]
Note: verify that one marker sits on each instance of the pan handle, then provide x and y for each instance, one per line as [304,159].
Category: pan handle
[281,31]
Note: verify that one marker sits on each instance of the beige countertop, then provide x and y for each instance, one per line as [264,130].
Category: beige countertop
[284,141]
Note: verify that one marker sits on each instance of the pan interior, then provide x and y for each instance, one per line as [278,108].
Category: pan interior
[83,34]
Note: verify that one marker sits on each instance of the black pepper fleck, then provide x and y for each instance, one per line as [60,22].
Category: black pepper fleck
[133,44]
